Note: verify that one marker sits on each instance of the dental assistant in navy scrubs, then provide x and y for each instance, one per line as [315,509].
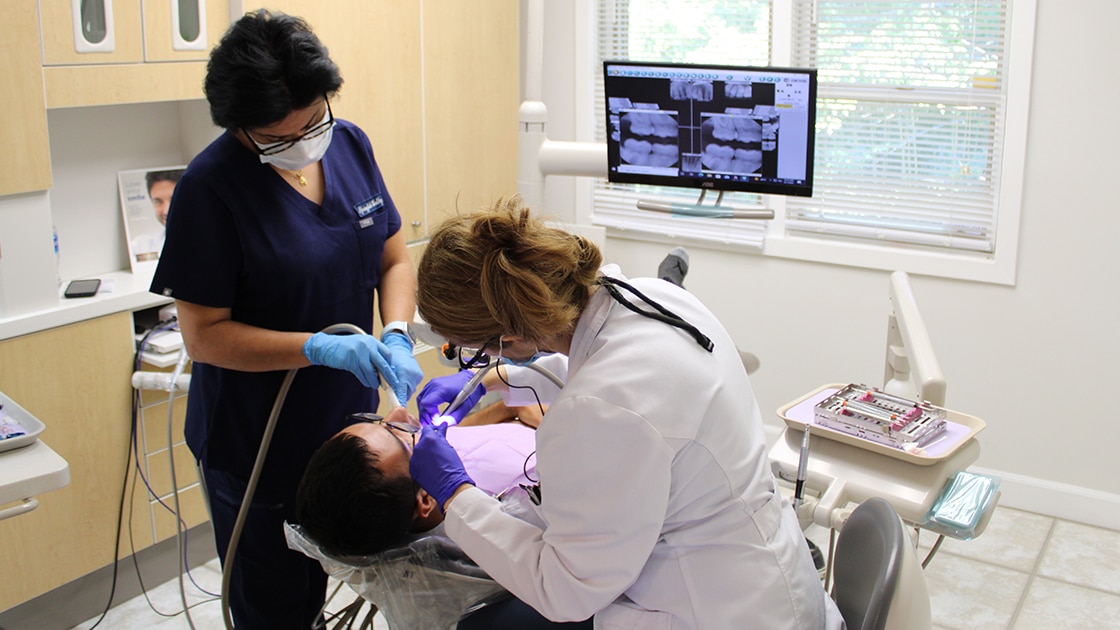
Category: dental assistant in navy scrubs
[280,228]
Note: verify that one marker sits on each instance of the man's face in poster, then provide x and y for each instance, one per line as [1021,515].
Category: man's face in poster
[160,193]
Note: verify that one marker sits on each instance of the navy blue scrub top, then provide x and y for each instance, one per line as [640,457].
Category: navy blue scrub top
[240,237]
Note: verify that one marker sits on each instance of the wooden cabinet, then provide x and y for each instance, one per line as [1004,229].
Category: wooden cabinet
[471,94]
[25,162]
[74,379]
[141,31]
[435,85]
[164,42]
[149,59]
[42,69]
[119,43]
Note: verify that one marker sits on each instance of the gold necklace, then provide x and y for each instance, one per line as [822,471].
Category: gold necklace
[299,175]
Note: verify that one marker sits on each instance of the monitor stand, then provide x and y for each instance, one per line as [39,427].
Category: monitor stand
[698,209]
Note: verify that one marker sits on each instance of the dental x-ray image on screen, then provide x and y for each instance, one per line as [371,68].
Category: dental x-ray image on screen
[717,127]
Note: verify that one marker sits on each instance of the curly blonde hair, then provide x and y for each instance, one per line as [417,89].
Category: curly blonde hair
[500,271]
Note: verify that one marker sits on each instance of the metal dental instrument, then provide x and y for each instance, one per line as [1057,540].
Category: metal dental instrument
[472,384]
[468,389]
[394,402]
[802,464]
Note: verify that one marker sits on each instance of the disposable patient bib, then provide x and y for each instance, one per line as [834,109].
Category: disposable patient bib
[496,456]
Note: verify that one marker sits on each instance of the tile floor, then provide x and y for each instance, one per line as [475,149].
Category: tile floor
[1026,572]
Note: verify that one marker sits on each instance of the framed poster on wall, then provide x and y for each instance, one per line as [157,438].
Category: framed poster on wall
[145,200]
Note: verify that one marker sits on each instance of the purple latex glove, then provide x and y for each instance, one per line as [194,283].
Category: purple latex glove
[436,466]
[444,389]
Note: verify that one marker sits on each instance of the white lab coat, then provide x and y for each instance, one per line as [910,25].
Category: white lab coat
[660,507]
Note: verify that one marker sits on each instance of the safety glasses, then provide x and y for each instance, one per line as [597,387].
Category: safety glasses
[400,427]
[279,147]
[477,357]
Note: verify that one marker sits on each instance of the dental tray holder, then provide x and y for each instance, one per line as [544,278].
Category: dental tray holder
[844,469]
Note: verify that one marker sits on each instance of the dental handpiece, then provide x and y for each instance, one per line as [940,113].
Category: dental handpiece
[468,389]
[394,402]
[802,464]
[472,384]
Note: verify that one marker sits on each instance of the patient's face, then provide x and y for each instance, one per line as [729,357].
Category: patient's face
[392,446]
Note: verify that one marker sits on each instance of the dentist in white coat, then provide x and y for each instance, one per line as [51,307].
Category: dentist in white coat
[654,484]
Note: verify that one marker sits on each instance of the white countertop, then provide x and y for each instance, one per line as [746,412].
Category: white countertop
[120,291]
[31,470]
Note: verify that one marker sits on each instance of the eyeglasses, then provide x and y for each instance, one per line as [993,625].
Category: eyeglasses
[477,357]
[284,145]
[374,418]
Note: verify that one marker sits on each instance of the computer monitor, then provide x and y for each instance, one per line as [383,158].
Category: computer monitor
[726,128]
[912,368]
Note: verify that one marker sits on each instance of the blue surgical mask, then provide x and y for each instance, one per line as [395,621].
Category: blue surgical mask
[519,362]
[523,362]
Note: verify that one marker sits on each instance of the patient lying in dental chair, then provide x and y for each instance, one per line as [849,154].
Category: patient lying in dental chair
[370,526]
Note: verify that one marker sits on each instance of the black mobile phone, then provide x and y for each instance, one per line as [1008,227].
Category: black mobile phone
[82,288]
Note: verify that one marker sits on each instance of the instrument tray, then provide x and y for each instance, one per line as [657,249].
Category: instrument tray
[960,429]
[31,425]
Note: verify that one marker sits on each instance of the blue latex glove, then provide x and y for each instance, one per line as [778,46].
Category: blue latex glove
[444,389]
[361,355]
[403,364]
[436,466]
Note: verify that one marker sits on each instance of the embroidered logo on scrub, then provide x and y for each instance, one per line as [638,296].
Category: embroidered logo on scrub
[366,208]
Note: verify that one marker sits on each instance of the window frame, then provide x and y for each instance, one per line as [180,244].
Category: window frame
[998,267]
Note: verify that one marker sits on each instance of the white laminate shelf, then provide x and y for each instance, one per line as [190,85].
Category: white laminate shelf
[29,471]
[120,291]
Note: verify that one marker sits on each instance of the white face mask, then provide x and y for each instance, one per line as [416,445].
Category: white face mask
[301,154]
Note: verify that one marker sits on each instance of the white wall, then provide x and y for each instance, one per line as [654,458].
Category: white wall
[89,146]
[27,264]
[1035,361]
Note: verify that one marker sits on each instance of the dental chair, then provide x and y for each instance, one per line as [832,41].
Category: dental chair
[879,581]
[426,583]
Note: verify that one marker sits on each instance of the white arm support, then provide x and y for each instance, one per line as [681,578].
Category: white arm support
[537,156]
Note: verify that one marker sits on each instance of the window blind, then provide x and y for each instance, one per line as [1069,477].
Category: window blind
[909,119]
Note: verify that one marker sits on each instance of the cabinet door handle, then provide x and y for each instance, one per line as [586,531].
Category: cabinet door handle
[23,508]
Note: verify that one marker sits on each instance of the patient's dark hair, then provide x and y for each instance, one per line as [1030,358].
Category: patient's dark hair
[347,505]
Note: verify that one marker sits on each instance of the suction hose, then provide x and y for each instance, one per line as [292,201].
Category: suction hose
[254,477]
